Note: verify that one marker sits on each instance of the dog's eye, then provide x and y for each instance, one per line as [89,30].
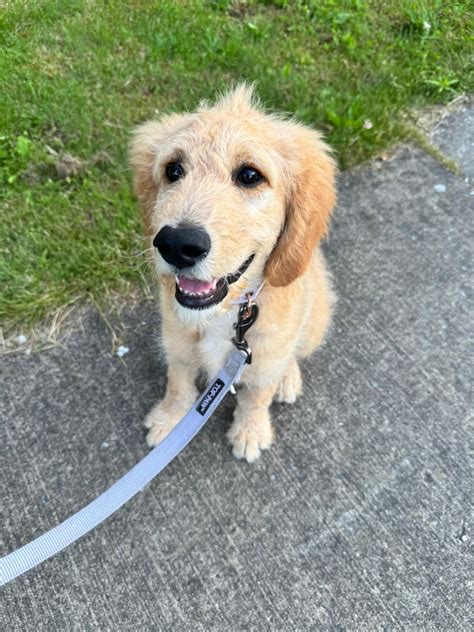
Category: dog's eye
[174,171]
[248,176]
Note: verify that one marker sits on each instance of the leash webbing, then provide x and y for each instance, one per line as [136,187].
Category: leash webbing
[80,523]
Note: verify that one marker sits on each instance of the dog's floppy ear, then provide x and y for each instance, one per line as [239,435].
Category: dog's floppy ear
[148,141]
[143,153]
[310,199]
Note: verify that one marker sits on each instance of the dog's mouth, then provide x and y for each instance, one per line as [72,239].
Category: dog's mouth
[197,294]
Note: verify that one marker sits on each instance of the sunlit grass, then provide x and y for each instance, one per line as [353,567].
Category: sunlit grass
[76,76]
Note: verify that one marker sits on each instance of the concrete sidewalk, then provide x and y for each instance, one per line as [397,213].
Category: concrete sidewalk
[359,516]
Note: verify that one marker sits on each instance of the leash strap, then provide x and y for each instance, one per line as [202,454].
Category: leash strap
[73,528]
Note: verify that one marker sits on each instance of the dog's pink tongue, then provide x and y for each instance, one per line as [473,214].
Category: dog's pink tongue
[195,285]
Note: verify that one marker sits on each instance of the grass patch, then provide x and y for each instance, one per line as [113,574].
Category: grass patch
[77,75]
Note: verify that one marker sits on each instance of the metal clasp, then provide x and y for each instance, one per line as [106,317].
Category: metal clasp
[247,315]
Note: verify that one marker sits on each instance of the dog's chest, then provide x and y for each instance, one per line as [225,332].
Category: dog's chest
[216,342]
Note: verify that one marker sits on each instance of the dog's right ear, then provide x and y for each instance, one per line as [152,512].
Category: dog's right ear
[143,154]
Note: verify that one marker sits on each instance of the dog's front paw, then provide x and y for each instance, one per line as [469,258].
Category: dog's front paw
[161,419]
[290,385]
[249,438]
[156,434]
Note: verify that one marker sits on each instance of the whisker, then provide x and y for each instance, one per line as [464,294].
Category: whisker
[137,254]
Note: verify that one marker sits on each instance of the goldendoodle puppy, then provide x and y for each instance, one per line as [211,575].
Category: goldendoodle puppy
[233,198]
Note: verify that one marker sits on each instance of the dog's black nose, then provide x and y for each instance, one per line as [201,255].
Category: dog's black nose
[182,246]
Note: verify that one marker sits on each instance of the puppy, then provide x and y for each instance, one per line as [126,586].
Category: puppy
[232,198]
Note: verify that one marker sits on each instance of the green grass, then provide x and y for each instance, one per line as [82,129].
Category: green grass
[77,75]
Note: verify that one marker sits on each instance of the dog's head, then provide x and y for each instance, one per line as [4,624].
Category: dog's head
[231,196]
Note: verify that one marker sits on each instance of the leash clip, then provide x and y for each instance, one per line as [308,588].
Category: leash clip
[247,315]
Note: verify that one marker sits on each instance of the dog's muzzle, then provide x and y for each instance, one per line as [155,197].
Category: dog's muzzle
[197,294]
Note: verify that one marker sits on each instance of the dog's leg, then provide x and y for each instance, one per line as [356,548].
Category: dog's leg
[181,391]
[290,385]
[251,430]
[180,394]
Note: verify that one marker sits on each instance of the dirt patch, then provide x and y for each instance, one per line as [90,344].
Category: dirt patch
[68,165]
[429,119]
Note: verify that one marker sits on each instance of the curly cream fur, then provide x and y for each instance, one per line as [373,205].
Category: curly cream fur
[281,221]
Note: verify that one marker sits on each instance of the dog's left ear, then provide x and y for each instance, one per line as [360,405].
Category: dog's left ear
[311,197]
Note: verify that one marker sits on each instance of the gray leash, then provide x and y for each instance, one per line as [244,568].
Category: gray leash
[73,528]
